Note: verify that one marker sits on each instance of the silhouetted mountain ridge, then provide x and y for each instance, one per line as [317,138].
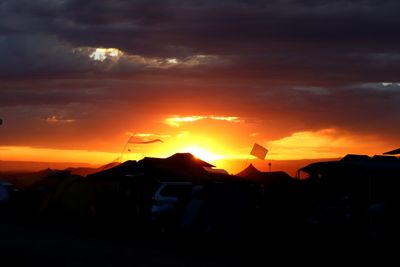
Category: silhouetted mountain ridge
[34,166]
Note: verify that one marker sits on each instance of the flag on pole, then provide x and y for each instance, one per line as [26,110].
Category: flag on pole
[259,151]
[135,140]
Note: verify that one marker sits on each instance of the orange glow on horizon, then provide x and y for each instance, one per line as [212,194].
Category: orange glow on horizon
[16,153]
[224,141]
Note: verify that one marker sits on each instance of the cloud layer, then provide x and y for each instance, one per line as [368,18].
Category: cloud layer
[285,66]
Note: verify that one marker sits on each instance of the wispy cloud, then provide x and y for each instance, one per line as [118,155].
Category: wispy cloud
[222,118]
[58,119]
[325,143]
[177,121]
[147,135]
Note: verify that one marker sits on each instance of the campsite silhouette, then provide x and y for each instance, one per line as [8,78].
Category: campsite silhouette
[182,211]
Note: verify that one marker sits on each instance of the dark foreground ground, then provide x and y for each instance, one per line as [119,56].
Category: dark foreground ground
[38,244]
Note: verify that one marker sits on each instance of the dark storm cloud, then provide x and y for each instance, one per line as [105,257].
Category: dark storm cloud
[182,28]
[311,64]
[25,55]
[297,33]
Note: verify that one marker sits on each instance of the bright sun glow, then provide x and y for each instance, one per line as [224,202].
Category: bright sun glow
[200,153]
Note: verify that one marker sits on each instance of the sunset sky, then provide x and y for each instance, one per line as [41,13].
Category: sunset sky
[305,79]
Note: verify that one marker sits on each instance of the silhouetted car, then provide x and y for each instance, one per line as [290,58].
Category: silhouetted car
[169,199]
[7,199]
[6,192]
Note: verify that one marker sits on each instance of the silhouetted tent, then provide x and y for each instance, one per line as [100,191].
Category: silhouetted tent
[355,158]
[70,200]
[319,166]
[180,167]
[275,186]
[343,170]
[122,194]
[33,180]
[48,180]
[355,185]
[357,173]
[249,171]
[252,174]
[278,200]
[129,187]
[393,152]
[42,184]
[352,163]
[375,163]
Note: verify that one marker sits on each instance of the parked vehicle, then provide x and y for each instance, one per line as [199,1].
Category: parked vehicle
[6,192]
[7,199]
[169,200]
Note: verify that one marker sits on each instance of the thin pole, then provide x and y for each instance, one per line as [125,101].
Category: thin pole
[123,150]
[247,162]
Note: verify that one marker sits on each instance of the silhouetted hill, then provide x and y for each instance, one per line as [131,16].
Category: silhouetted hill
[31,166]
[25,180]
[233,166]
[86,171]
[25,174]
